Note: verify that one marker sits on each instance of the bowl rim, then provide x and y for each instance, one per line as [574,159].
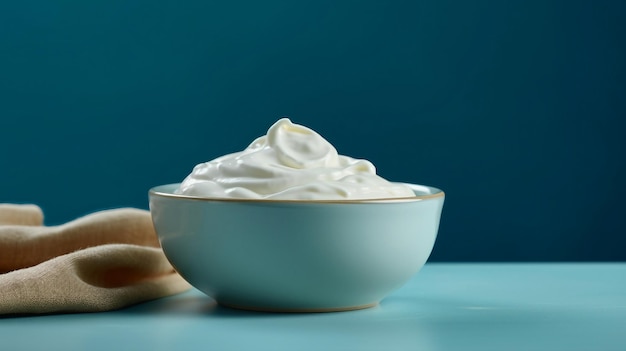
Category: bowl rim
[429,193]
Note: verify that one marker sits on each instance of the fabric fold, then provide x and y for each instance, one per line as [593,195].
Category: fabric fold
[100,278]
[103,261]
[24,246]
[20,214]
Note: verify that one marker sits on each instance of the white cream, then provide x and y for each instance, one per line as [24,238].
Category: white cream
[291,162]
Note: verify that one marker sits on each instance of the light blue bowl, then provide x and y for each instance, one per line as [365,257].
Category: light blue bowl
[296,256]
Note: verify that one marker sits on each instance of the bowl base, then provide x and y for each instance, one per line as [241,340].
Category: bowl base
[298,310]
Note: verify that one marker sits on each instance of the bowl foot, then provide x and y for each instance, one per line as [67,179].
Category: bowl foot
[298,310]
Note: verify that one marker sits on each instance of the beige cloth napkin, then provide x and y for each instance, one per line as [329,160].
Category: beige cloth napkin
[103,261]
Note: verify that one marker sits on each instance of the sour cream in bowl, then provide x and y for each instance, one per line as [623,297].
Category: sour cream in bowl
[290,225]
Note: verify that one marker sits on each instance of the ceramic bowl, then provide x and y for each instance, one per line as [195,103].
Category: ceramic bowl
[296,256]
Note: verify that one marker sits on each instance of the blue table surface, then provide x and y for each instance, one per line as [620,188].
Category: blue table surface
[444,307]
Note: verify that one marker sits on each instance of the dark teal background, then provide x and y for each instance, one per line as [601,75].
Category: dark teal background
[515,108]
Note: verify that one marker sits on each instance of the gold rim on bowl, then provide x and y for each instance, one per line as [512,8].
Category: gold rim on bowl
[430,193]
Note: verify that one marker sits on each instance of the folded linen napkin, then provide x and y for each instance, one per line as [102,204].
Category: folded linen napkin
[103,261]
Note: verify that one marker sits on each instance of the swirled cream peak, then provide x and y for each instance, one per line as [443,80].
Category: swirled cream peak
[291,162]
